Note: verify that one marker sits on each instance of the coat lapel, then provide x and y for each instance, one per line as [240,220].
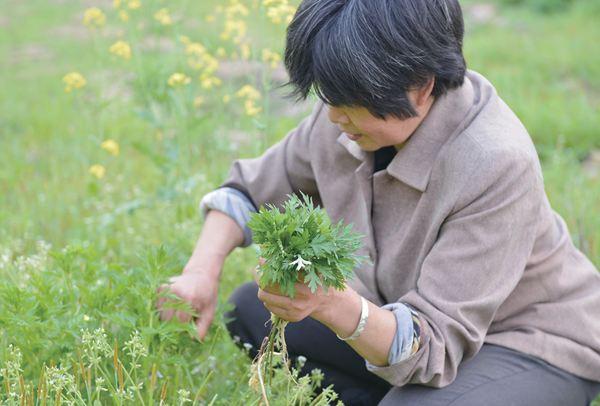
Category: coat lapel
[413,163]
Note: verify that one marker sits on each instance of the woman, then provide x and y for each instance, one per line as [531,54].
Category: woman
[475,294]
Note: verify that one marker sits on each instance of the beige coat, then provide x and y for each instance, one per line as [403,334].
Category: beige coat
[458,226]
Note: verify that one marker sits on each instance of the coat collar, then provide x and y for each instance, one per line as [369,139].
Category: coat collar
[413,163]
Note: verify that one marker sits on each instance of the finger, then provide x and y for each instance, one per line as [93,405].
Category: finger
[274,289]
[274,299]
[160,289]
[159,304]
[278,311]
[167,314]
[285,314]
[203,323]
[160,301]
[161,294]
[182,316]
[164,314]
[304,292]
[302,289]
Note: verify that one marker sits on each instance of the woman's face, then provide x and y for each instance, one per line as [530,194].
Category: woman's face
[372,133]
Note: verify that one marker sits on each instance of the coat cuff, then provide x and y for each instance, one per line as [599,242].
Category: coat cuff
[399,374]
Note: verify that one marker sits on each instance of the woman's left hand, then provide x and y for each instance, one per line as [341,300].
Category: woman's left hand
[304,304]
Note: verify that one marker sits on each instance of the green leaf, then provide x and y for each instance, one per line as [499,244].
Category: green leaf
[301,229]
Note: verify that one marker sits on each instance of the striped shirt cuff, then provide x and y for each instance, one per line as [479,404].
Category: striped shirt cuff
[233,203]
[408,334]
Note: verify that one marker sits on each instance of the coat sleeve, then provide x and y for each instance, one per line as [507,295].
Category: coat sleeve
[283,169]
[477,260]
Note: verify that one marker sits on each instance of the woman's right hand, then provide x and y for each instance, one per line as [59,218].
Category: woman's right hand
[199,282]
[198,287]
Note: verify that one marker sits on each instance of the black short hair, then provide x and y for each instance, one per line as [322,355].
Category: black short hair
[369,53]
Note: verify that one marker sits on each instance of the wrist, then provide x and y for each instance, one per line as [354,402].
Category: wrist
[341,311]
[211,264]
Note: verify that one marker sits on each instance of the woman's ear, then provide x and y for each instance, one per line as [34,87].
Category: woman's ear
[422,94]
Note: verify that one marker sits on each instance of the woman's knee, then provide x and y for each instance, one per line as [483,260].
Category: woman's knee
[498,376]
[244,296]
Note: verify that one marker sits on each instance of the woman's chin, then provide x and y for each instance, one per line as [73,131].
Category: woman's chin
[367,147]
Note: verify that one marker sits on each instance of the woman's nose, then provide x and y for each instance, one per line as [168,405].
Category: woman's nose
[337,116]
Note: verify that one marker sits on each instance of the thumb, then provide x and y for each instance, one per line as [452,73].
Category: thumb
[203,322]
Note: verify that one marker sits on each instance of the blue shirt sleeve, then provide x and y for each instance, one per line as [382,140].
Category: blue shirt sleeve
[402,344]
[233,203]
[407,338]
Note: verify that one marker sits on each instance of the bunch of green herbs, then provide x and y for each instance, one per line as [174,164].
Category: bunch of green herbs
[302,241]
[299,245]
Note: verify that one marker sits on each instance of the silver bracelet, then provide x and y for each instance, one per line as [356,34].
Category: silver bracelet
[364,315]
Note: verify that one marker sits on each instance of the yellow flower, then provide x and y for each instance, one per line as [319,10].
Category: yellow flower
[221,52]
[163,16]
[121,49]
[205,61]
[98,171]
[235,8]
[249,92]
[245,51]
[234,30]
[270,57]
[116,3]
[123,16]
[208,82]
[198,101]
[194,48]
[251,108]
[73,80]
[279,11]
[210,18]
[94,18]
[134,4]
[111,146]
[178,79]
[226,99]
[86,317]
[184,39]
[251,95]
[211,64]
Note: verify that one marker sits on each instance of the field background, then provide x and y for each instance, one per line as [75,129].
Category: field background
[83,251]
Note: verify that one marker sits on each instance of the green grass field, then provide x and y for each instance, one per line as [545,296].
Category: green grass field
[80,251]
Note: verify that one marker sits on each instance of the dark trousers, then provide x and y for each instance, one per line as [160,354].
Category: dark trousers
[495,376]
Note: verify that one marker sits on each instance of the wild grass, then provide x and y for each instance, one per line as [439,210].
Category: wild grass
[80,253]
